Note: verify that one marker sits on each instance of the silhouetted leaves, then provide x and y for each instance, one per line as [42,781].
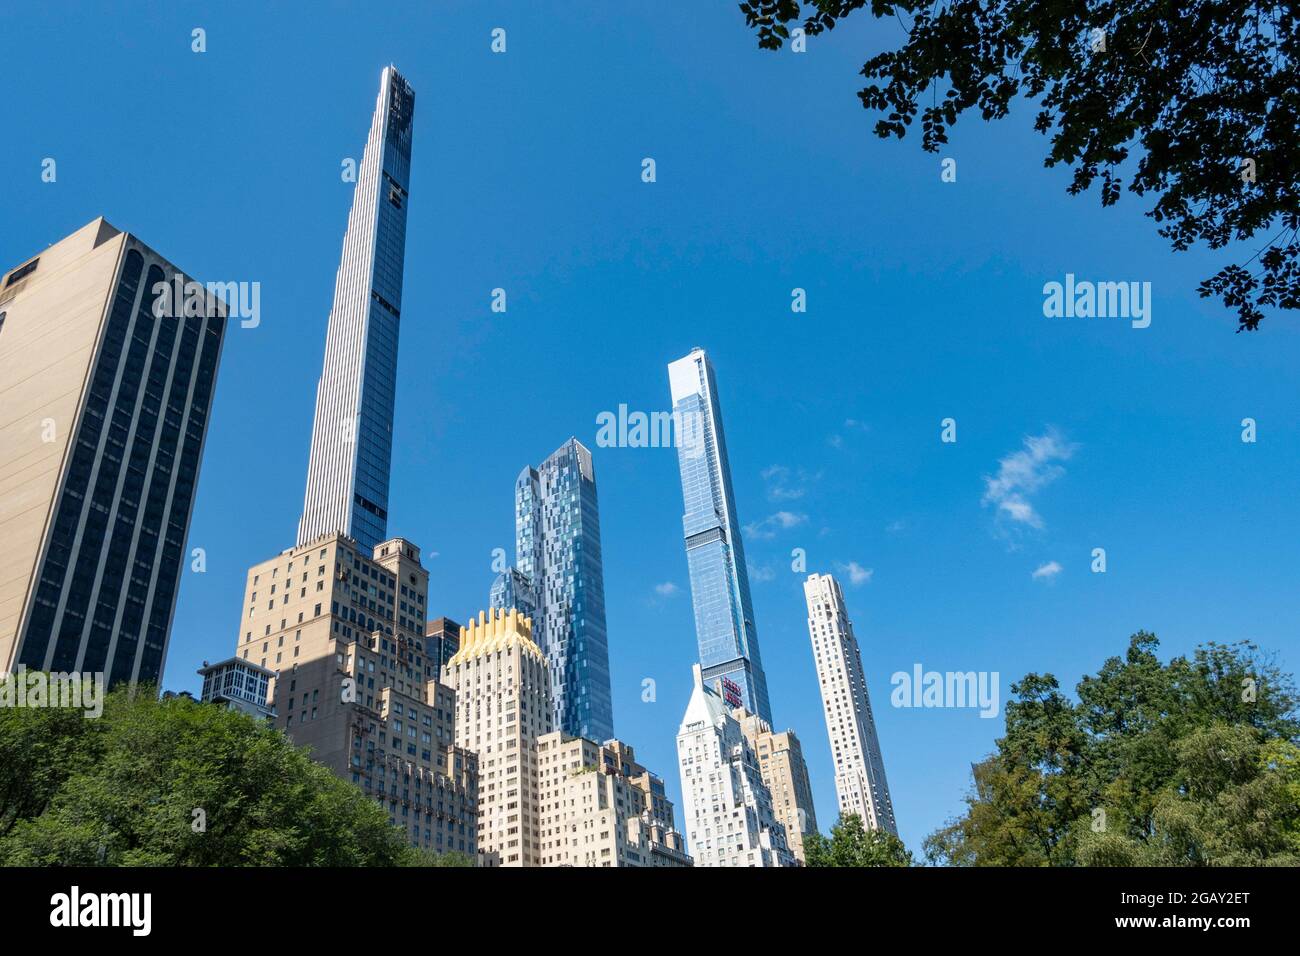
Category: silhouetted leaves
[1182,96]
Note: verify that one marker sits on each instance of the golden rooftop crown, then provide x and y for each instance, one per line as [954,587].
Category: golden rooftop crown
[496,630]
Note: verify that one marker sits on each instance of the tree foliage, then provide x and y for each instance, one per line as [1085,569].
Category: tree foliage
[1194,762]
[1176,99]
[852,844]
[177,783]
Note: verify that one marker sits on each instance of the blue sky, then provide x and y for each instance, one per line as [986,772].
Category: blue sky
[924,302]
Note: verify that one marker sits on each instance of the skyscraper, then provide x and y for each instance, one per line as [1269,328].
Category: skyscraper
[443,640]
[724,616]
[860,784]
[502,707]
[104,405]
[727,809]
[557,551]
[352,436]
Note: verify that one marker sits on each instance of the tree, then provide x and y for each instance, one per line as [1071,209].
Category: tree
[1193,102]
[852,844]
[1193,762]
[177,783]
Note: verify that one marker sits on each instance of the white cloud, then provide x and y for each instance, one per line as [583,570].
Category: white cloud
[858,575]
[1046,571]
[1022,473]
[769,526]
[667,589]
[761,573]
[785,484]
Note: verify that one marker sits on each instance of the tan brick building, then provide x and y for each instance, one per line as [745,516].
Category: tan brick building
[502,688]
[781,764]
[344,630]
[599,807]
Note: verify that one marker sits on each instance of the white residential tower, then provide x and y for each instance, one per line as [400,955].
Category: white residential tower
[860,783]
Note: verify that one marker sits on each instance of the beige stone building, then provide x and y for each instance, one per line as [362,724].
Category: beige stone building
[502,688]
[599,807]
[781,764]
[344,631]
[105,397]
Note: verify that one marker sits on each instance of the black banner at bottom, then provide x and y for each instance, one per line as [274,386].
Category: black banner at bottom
[137,906]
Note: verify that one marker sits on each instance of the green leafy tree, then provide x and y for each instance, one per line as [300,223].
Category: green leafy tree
[177,783]
[1193,102]
[852,844]
[1193,762]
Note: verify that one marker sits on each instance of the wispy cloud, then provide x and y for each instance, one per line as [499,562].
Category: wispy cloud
[1023,473]
[761,572]
[786,484]
[836,440]
[1046,571]
[769,526]
[858,575]
[667,589]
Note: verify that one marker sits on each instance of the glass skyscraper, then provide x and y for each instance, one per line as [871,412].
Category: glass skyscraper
[557,552]
[352,436]
[724,616]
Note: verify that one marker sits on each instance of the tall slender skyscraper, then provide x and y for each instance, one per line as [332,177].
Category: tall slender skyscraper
[559,572]
[724,616]
[106,386]
[860,784]
[352,437]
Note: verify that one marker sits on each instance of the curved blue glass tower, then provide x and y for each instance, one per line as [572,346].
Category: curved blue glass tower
[560,577]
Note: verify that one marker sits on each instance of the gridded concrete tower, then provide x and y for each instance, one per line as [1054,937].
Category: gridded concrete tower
[503,706]
[860,783]
[104,409]
[724,616]
[781,763]
[352,436]
[559,576]
[727,809]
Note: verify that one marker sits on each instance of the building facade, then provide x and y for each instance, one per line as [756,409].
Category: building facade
[238,684]
[784,773]
[860,784]
[727,809]
[443,640]
[513,591]
[106,389]
[504,705]
[342,627]
[559,569]
[352,435]
[724,614]
[599,807]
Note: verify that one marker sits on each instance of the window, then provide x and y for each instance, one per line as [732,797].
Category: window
[22,272]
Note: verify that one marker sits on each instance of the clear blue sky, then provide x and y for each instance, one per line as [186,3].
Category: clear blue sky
[924,301]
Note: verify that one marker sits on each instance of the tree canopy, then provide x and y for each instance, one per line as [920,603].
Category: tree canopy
[1190,763]
[178,783]
[852,844]
[1194,102]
